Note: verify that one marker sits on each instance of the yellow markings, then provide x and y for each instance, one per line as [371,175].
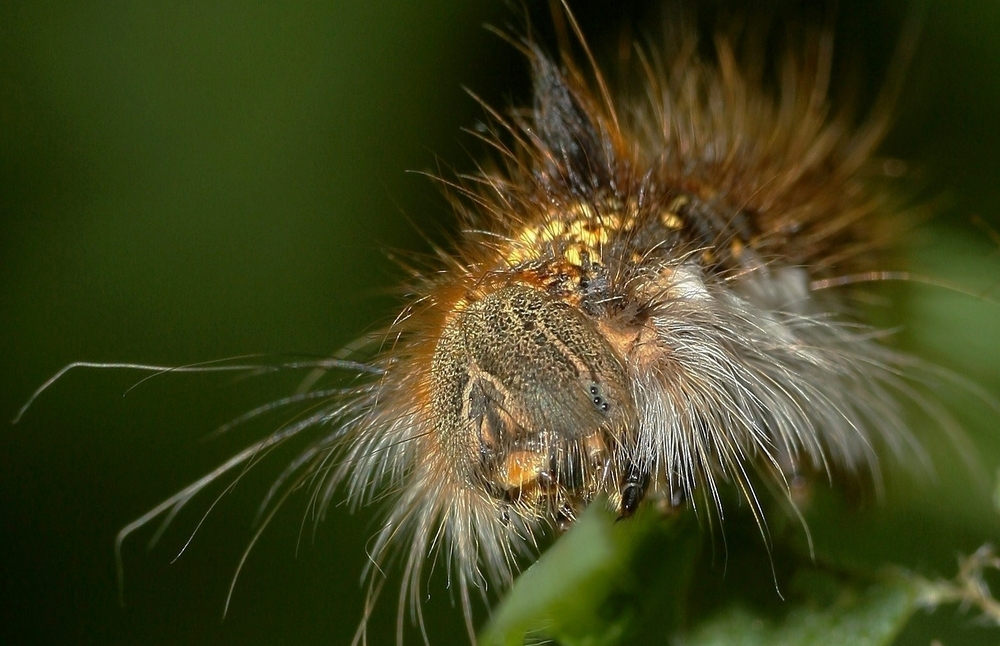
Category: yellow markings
[577,234]
[574,255]
[588,232]
[670,218]
[528,236]
[671,221]
[584,211]
[736,248]
[553,230]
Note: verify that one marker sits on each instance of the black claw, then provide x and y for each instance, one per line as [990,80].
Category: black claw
[633,490]
[564,518]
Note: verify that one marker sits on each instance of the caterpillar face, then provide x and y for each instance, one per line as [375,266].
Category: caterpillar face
[531,400]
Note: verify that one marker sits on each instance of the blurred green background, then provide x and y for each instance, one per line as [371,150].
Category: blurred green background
[189,182]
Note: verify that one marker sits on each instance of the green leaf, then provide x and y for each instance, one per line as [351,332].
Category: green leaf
[871,615]
[645,581]
[664,579]
[601,581]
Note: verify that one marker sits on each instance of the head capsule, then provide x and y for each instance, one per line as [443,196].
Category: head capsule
[531,403]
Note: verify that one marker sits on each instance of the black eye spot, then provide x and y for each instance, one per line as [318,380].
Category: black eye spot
[598,400]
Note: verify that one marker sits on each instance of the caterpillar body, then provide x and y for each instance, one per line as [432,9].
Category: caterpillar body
[648,303]
[633,311]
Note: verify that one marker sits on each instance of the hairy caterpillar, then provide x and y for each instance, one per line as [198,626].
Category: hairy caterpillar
[579,253]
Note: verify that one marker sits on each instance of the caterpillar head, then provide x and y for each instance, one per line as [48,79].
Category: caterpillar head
[531,401]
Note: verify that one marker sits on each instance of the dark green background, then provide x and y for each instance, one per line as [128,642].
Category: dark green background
[182,183]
